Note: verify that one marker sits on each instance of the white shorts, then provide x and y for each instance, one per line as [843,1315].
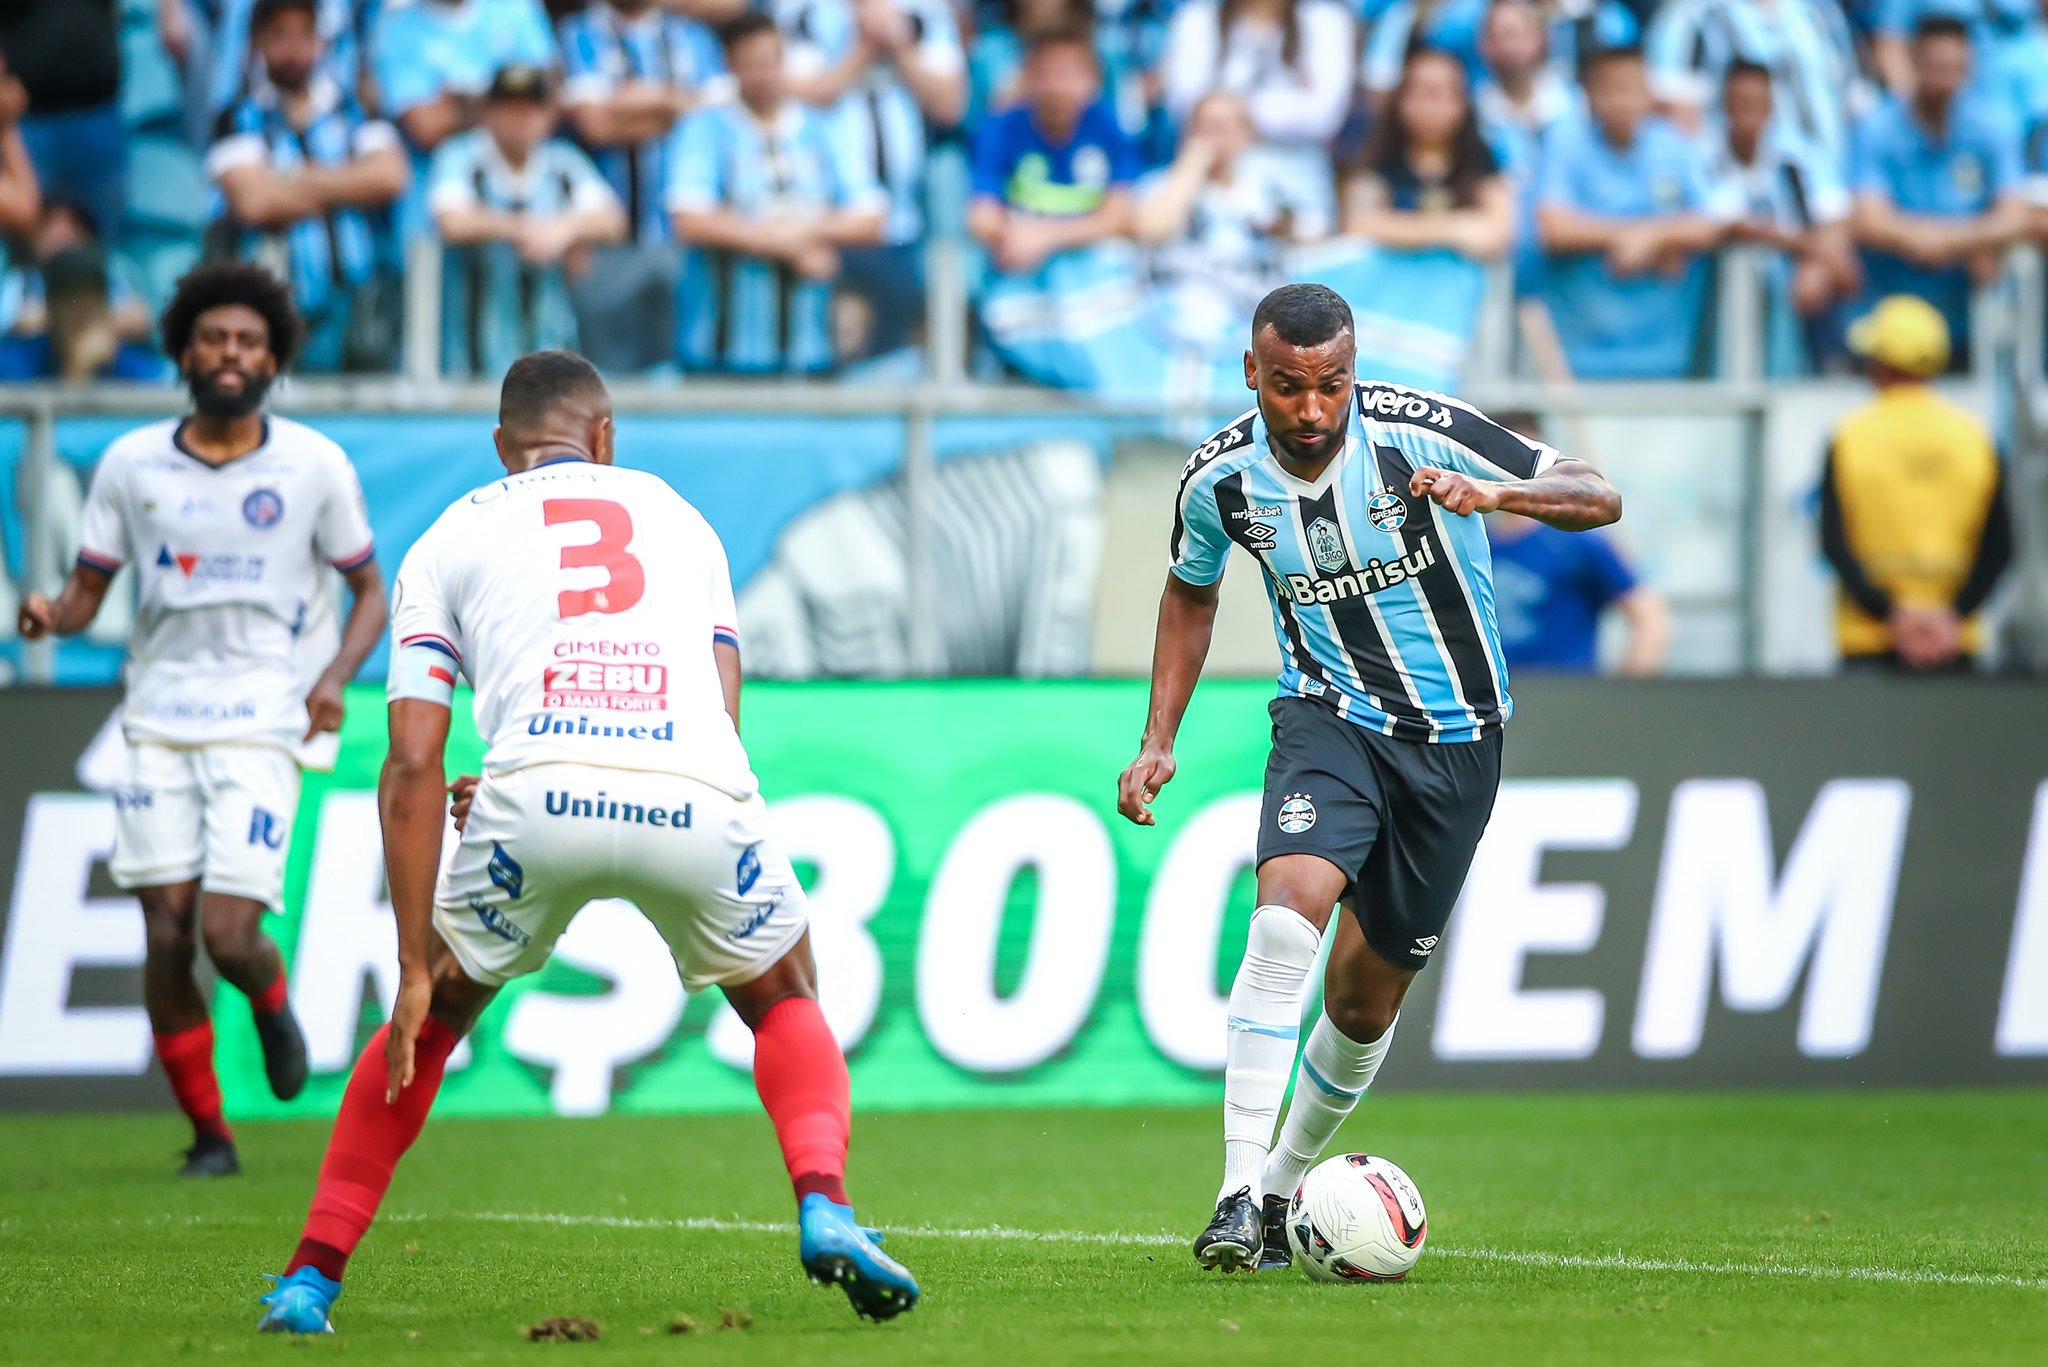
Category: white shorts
[544,840]
[219,813]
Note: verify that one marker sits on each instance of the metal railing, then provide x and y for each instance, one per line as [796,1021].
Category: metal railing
[2009,325]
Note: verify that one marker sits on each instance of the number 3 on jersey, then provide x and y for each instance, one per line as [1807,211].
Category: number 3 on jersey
[624,581]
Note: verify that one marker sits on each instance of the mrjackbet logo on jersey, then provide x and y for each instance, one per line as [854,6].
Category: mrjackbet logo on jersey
[1377,575]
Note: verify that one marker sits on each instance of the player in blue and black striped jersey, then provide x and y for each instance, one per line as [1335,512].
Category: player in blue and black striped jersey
[1356,498]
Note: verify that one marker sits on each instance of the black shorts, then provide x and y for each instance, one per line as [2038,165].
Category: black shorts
[1401,819]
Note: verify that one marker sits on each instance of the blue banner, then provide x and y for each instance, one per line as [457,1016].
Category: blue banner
[1091,320]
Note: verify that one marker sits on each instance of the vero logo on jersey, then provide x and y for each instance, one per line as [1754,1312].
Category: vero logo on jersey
[1392,403]
[608,685]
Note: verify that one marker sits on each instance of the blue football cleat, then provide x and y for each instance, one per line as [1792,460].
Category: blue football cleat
[836,1249]
[299,1304]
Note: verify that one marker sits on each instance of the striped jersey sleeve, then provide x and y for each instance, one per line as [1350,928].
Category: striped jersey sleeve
[1201,543]
[1451,434]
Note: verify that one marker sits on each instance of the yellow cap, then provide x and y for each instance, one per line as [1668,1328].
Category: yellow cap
[1904,332]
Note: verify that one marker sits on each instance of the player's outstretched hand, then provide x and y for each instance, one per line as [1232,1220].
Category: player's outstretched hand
[1149,772]
[1458,493]
[408,1014]
[323,707]
[461,794]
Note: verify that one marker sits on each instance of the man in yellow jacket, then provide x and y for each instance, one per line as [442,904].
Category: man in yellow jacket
[1912,505]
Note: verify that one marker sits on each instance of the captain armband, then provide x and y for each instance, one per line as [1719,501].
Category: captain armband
[423,672]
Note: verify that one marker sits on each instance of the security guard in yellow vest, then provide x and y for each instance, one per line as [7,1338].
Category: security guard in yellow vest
[1912,504]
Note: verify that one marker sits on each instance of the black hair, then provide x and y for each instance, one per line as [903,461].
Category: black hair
[1599,57]
[1079,13]
[221,283]
[1303,315]
[747,24]
[266,10]
[1743,66]
[1386,150]
[540,380]
[1062,35]
[1940,26]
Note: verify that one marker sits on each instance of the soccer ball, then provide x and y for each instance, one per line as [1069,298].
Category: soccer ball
[1356,1218]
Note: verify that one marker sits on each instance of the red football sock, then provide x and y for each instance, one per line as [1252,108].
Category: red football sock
[801,1076]
[369,1139]
[272,999]
[187,1059]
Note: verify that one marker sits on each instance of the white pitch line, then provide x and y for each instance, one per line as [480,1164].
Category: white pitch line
[1616,1262]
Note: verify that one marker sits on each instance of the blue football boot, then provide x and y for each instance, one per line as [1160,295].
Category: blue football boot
[300,1303]
[834,1248]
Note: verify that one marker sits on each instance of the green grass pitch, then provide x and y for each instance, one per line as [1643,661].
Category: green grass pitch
[1859,1227]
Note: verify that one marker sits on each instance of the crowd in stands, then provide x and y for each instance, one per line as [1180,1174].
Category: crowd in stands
[719,186]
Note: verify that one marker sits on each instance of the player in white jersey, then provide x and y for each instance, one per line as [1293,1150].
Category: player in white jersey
[592,611]
[234,523]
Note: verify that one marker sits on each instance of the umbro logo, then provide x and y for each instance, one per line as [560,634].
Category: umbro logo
[1261,531]
[1426,944]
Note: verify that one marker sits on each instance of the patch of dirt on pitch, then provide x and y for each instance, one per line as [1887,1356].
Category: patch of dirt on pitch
[562,1329]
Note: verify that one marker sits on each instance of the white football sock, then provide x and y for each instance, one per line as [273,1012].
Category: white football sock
[1265,1026]
[1335,1071]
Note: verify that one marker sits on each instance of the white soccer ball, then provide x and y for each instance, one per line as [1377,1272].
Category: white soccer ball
[1356,1218]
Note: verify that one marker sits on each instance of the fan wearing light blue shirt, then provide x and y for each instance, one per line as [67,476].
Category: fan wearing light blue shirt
[237,73]
[1937,183]
[2015,70]
[884,71]
[1993,24]
[1806,45]
[432,60]
[1577,29]
[1626,216]
[305,178]
[1794,203]
[769,193]
[632,69]
[518,205]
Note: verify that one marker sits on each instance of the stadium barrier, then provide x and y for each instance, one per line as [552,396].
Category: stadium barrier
[967,529]
[1707,884]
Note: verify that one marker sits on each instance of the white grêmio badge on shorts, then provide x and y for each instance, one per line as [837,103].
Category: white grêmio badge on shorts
[1297,813]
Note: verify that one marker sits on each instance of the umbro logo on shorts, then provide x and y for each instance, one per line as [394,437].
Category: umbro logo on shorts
[1425,944]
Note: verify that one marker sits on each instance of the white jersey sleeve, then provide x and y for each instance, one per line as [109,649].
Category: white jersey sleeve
[725,614]
[343,532]
[426,642]
[104,540]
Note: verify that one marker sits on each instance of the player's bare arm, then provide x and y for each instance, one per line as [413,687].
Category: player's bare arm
[409,792]
[70,612]
[1571,495]
[728,658]
[1187,619]
[367,611]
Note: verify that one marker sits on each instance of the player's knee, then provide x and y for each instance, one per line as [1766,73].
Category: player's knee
[1281,933]
[232,938]
[1361,1019]
[168,939]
